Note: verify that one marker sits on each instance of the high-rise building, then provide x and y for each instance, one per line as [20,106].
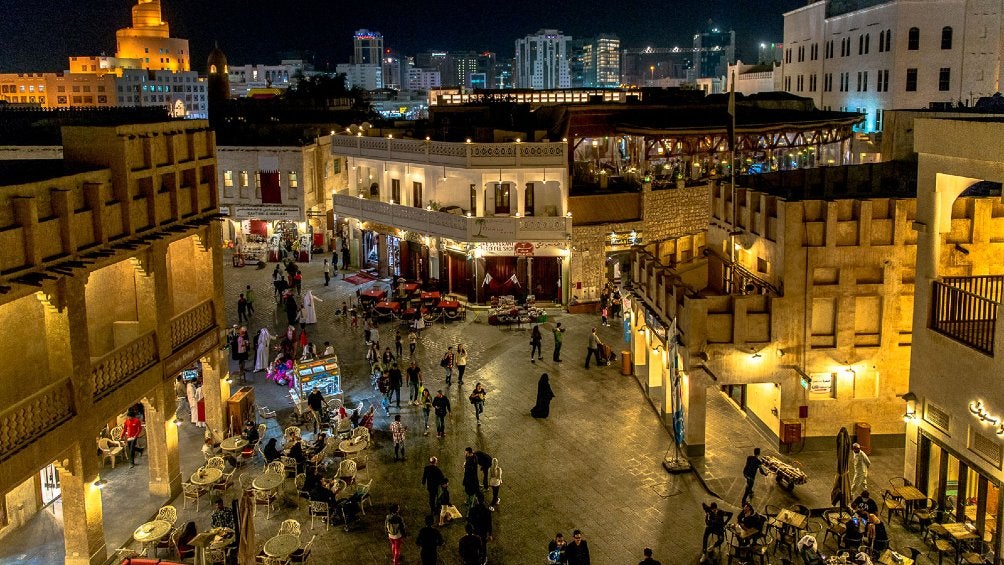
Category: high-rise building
[714,51]
[366,77]
[149,40]
[601,62]
[395,71]
[367,47]
[542,60]
[893,55]
[503,74]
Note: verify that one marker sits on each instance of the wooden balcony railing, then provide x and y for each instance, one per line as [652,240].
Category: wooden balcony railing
[191,323]
[31,418]
[965,309]
[123,364]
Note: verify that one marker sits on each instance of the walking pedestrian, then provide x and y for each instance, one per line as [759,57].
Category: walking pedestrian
[398,344]
[859,481]
[395,383]
[556,550]
[262,350]
[412,342]
[480,518]
[242,309]
[647,552]
[298,281]
[334,259]
[471,548]
[397,430]
[535,338]
[557,331]
[276,279]
[441,404]
[447,363]
[495,482]
[484,463]
[752,467]
[429,539]
[470,483]
[577,552]
[478,400]
[544,395]
[345,257]
[414,381]
[593,349]
[131,429]
[327,273]
[603,316]
[242,352]
[461,362]
[394,524]
[444,503]
[375,335]
[426,402]
[433,478]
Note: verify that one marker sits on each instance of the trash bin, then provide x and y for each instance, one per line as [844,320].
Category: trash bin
[625,363]
[863,436]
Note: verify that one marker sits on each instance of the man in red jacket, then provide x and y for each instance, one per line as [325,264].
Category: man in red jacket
[131,429]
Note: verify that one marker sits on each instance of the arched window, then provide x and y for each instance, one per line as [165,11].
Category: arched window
[946,37]
[212,69]
[888,40]
[913,39]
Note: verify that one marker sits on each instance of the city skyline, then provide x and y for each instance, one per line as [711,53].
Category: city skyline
[311,28]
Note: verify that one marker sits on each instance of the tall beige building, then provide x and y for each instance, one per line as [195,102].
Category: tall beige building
[149,40]
[111,286]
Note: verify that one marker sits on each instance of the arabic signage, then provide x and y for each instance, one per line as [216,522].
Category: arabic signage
[522,249]
[187,356]
[267,212]
[980,413]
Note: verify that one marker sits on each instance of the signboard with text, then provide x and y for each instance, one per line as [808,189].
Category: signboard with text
[267,212]
[190,353]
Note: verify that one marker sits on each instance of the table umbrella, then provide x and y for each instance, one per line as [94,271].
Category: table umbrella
[841,493]
[247,549]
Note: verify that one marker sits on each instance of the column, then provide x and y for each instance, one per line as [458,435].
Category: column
[162,441]
[216,391]
[696,412]
[382,253]
[83,530]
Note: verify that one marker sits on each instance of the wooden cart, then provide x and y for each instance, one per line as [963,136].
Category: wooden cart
[786,475]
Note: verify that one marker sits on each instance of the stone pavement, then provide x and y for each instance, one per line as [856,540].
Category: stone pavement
[595,464]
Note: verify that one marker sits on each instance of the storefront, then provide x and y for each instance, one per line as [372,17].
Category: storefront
[960,486]
[268,232]
[524,270]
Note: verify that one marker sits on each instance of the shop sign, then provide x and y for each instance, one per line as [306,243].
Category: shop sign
[523,249]
[821,383]
[268,212]
[654,324]
[184,358]
[980,413]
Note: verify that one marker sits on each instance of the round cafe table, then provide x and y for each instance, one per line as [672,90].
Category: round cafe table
[224,538]
[347,447]
[206,476]
[235,443]
[281,545]
[151,532]
[268,481]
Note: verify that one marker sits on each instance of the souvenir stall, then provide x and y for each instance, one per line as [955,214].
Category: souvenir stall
[505,311]
[321,373]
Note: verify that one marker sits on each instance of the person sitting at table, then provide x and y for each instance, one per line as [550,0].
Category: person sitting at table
[250,432]
[751,523]
[367,420]
[223,516]
[714,519]
[295,452]
[318,444]
[808,550]
[854,532]
[323,491]
[271,451]
[878,538]
[184,541]
[865,502]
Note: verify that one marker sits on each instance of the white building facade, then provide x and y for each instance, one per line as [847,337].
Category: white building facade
[894,55]
[542,60]
[367,77]
[423,79]
[751,79]
[244,78]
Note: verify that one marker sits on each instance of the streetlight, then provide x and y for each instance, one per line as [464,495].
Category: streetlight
[651,69]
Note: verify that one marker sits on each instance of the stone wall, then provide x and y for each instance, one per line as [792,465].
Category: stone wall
[676,211]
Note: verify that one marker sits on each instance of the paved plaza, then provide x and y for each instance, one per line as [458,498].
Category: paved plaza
[595,464]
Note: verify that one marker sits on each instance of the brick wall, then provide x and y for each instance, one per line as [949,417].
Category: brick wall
[675,212]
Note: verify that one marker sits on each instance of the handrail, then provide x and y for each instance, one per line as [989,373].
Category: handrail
[964,316]
[31,418]
[123,364]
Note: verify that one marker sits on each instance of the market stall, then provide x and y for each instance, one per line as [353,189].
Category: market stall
[319,373]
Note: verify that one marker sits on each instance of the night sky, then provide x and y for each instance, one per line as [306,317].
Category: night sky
[39,36]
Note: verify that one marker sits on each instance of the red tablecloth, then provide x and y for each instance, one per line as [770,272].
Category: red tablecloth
[449,304]
[373,293]
[395,306]
[410,287]
[430,295]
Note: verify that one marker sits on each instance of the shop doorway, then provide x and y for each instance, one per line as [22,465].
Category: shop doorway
[49,488]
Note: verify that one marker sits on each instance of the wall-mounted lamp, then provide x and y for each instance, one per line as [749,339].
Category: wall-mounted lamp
[780,353]
[911,407]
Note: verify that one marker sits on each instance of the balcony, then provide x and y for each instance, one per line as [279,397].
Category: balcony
[467,155]
[452,226]
[965,309]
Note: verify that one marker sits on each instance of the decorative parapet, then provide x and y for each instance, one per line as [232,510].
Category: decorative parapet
[191,323]
[551,154]
[453,226]
[28,420]
[123,364]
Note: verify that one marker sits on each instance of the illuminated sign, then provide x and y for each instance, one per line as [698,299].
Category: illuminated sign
[978,412]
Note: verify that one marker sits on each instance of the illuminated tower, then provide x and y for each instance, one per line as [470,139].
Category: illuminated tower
[218,74]
[149,40]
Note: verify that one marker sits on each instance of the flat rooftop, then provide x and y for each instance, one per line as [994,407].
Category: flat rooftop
[24,171]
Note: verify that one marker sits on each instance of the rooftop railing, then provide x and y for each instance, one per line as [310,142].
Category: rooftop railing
[965,309]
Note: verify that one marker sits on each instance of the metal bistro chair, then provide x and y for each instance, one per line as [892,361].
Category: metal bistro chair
[893,504]
[290,527]
[276,467]
[302,555]
[835,519]
[216,462]
[264,498]
[193,492]
[318,509]
[168,514]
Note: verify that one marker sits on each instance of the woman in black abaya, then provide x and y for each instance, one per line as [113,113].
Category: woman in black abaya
[544,396]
